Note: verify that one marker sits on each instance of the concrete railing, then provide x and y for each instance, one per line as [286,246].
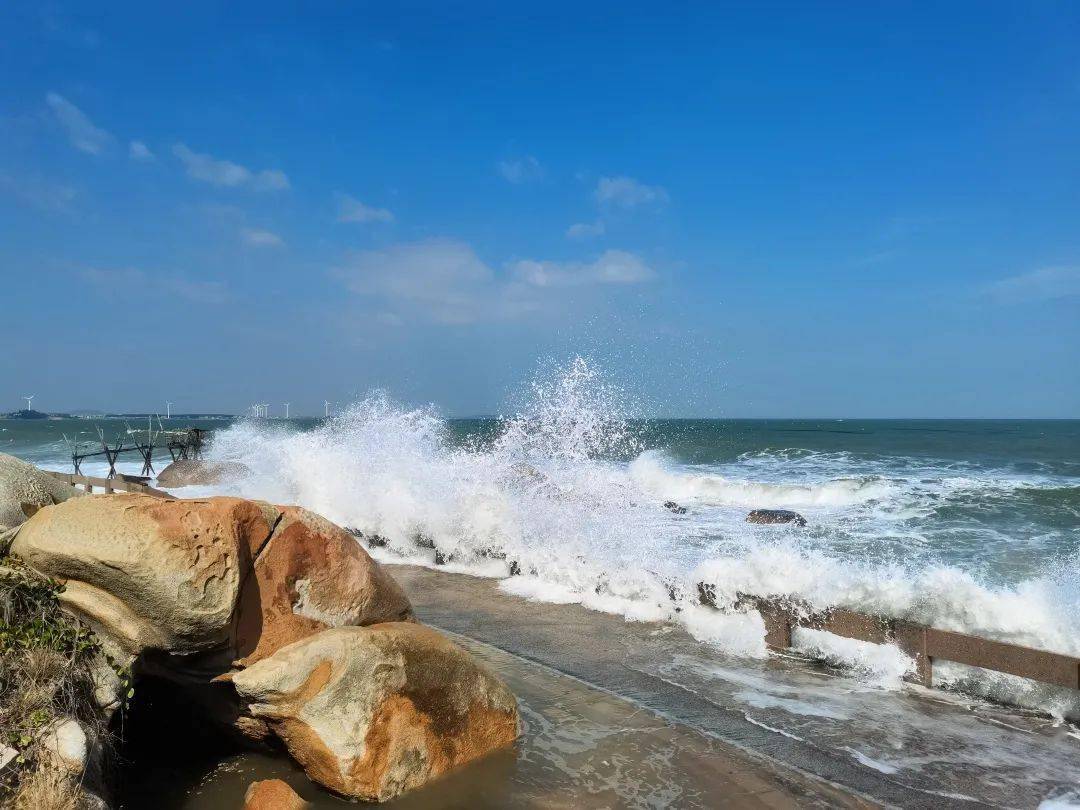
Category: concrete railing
[921,643]
[107,485]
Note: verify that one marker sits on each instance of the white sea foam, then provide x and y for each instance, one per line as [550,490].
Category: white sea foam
[883,665]
[564,494]
[651,474]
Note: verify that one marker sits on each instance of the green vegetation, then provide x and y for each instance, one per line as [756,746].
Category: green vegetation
[49,666]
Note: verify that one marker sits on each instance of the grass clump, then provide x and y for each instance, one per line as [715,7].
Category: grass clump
[48,662]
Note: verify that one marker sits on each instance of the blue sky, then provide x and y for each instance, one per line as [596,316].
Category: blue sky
[759,209]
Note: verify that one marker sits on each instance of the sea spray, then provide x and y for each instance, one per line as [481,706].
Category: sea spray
[568,493]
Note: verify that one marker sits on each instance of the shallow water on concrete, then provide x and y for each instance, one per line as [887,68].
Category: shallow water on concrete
[623,714]
[909,746]
[580,748]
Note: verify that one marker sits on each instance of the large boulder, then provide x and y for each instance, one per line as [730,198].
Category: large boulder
[310,575]
[24,489]
[370,712]
[184,577]
[195,472]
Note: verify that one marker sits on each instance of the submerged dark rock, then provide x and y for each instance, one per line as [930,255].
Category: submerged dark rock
[771,516]
[675,508]
[707,594]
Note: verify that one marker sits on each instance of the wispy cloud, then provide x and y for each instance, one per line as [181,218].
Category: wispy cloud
[42,194]
[256,237]
[81,131]
[585,230]
[1046,284]
[626,192]
[209,169]
[612,267]
[137,150]
[130,279]
[443,281]
[351,209]
[521,170]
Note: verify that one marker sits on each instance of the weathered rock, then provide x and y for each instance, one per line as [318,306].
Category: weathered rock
[65,744]
[194,472]
[770,516]
[24,489]
[371,712]
[150,573]
[312,575]
[272,794]
[674,507]
[219,575]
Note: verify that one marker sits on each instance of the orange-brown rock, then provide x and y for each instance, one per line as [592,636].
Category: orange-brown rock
[312,575]
[150,573]
[371,712]
[222,575]
[272,794]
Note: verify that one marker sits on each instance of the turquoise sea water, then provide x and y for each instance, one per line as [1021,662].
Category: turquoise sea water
[1000,498]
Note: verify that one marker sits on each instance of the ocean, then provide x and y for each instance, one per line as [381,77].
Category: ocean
[967,525]
[970,525]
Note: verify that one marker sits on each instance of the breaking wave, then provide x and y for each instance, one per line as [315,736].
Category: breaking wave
[550,504]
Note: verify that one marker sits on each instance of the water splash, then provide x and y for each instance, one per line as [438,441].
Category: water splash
[567,494]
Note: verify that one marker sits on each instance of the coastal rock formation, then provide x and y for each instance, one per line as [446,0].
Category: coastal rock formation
[273,623]
[272,794]
[193,472]
[310,575]
[771,516]
[149,573]
[24,489]
[371,712]
[220,575]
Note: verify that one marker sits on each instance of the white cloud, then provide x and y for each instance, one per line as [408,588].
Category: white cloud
[1046,284]
[260,238]
[40,193]
[137,150]
[521,170]
[80,130]
[585,230]
[613,267]
[131,280]
[270,180]
[209,169]
[626,192]
[443,280]
[351,209]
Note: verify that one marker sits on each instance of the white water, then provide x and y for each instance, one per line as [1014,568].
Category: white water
[550,493]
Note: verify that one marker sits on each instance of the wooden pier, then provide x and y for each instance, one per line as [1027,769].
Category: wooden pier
[119,483]
[180,444]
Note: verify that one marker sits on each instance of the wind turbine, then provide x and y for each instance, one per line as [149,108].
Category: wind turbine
[286,410]
[168,409]
[28,398]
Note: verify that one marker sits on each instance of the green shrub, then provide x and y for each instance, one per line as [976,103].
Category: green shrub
[47,665]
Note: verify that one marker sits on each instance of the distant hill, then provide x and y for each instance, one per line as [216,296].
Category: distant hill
[26,414]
